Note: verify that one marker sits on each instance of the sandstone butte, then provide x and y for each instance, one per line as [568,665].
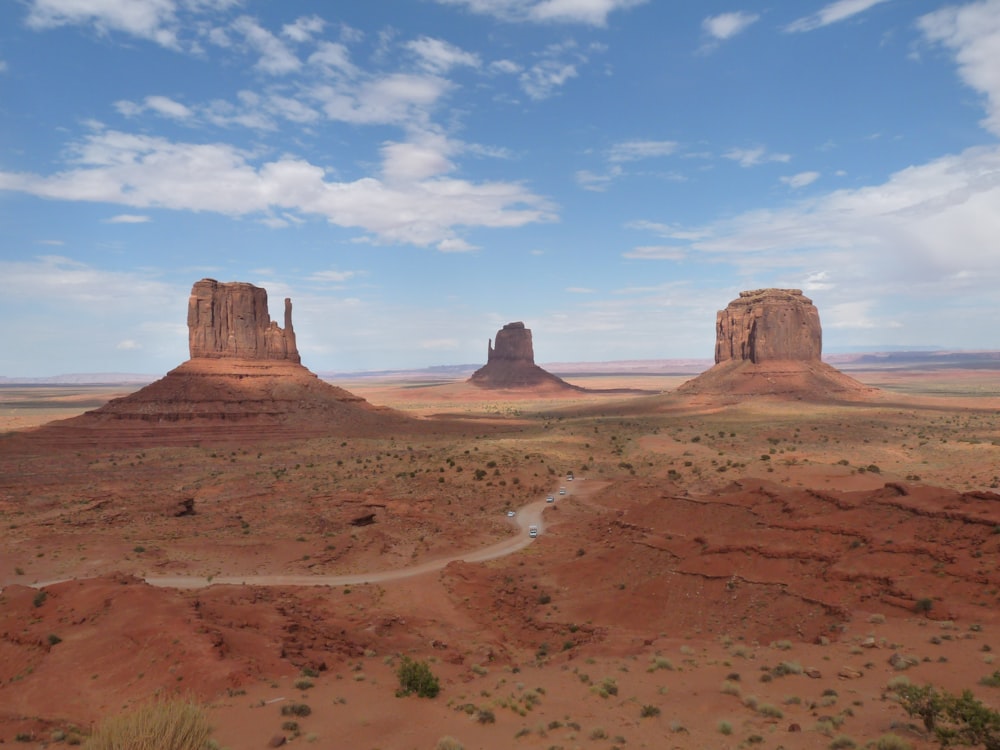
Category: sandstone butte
[511,363]
[244,376]
[770,342]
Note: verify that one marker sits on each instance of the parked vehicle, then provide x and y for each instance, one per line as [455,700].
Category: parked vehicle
[532,531]
[562,490]
[550,499]
[511,514]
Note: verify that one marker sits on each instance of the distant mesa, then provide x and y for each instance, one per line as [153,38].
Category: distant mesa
[511,363]
[244,379]
[769,341]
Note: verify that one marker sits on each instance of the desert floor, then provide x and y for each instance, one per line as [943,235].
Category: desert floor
[756,573]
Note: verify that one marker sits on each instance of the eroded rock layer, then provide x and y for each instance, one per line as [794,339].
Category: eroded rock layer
[231,320]
[766,325]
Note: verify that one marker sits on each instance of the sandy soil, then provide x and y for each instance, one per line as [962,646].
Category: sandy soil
[716,572]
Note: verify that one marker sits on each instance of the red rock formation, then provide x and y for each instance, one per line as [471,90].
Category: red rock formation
[232,321]
[769,342]
[766,325]
[511,363]
[244,381]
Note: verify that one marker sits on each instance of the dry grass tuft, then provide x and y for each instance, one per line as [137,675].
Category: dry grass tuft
[175,724]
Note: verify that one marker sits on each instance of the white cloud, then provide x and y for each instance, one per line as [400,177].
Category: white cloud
[413,207]
[162,105]
[128,345]
[832,13]
[597,183]
[3,66]
[800,180]
[591,12]
[275,56]
[414,161]
[635,150]
[396,98]
[336,277]
[507,67]
[439,56]
[334,57]
[972,32]
[935,223]
[129,219]
[148,19]
[543,78]
[727,25]
[752,157]
[304,28]
[579,290]
[656,252]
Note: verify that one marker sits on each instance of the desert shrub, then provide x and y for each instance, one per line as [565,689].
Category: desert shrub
[891,742]
[771,712]
[730,688]
[303,684]
[649,711]
[40,598]
[992,680]
[953,719]
[295,709]
[725,728]
[485,716]
[175,724]
[923,605]
[55,640]
[448,743]
[842,742]
[416,677]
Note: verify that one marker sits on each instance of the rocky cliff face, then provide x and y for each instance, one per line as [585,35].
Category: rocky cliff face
[513,345]
[231,321]
[768,325]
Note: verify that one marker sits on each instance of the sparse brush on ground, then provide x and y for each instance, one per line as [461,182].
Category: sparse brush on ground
[448,743]
[416,677]
[161,725]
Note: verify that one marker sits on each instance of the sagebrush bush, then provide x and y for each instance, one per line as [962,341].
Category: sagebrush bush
[175,724]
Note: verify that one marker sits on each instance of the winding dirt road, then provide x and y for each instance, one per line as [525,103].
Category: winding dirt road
[529,515]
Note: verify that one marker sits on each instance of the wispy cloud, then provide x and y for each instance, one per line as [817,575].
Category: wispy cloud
[800,180]
[589,12]
[832,13]
[439,56]
[972,32]
[752,157]
[129,219]
[727,25]
[656,252]
[635,150]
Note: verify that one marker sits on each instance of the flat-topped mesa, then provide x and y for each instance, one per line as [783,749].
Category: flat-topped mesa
[513,345]
[769,325]
[231,321]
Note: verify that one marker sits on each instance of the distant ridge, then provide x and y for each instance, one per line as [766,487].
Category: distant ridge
[847,360]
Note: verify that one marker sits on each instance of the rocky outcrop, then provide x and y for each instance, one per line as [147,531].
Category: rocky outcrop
[511,363]
[767,325]
[770,342]
[231,320]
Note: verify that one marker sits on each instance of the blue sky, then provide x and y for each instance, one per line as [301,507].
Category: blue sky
[416,173]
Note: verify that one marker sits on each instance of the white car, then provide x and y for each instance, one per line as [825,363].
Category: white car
[532,531]
[550,499]
[510,514]
[562,490]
